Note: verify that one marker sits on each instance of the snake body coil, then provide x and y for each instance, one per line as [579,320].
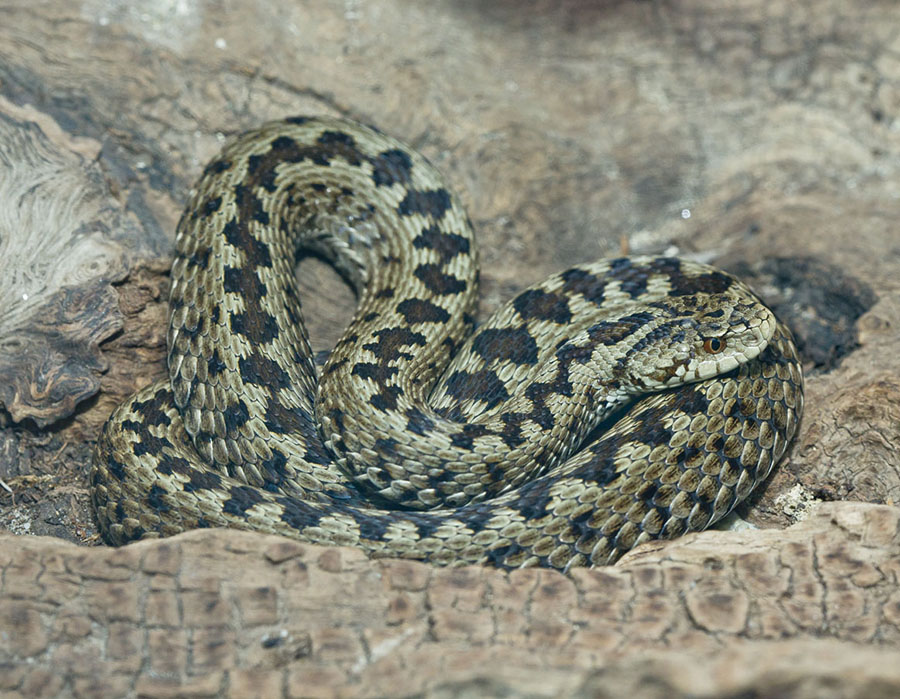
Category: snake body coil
[470,437]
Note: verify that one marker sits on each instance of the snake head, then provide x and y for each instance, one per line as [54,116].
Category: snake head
[702,337]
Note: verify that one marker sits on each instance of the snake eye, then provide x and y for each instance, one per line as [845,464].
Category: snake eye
[713,345]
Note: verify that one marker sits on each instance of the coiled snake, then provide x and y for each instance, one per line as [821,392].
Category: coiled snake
[470,437]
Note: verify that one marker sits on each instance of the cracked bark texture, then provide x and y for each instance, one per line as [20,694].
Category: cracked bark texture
[811,609]
[760,136]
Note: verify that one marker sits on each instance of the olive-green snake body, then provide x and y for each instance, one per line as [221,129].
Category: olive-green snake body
[421,438]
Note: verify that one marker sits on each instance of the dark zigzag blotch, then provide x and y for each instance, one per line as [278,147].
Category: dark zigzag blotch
[392,342]
[632,278]
[569,352]
[114,467]
[259,328]
[261,172]
[713,282]
[482,385]
[151,410]
[374,527]
[285,149]
[391,167]
[149,444]
[132,426]
[340,144]
[293,312]
[274,470]
[431,203]
[506,344]
[243,497]
[255,250]
[418,422]
[386,399]
[237,280]
[250,206]
[315,453]
[200,258]
[542,305]
[422,311]
[216,167]
[211,206]
[235,416]
[538,392]
[202,481]
[215,365]
[464,439]
[447,245]
[156,499]
[386,448]
[331,368]
[450,346]
[579,281]
[259,370]
[535,502]
[340,138]
[612,332]
[512,431]
[337,416]
[175,464]
[380,373]
[121,515]
[254,162]
[454,413]
[282,420]
[297,514]
[438,282]
[282,145]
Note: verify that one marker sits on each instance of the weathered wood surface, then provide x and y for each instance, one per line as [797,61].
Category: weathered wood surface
[761,136]
[773,613]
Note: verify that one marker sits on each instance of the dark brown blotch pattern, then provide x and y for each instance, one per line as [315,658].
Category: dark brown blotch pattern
[391,167]
[437,281]
[253,323]
[514,345]
[537,304]
[482,385]
[430,203]
[422,311]
[613,332]
[447,245]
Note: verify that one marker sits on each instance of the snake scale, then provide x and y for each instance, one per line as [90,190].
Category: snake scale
[422,437]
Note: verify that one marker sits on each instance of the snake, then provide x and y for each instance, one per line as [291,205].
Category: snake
[619,401]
